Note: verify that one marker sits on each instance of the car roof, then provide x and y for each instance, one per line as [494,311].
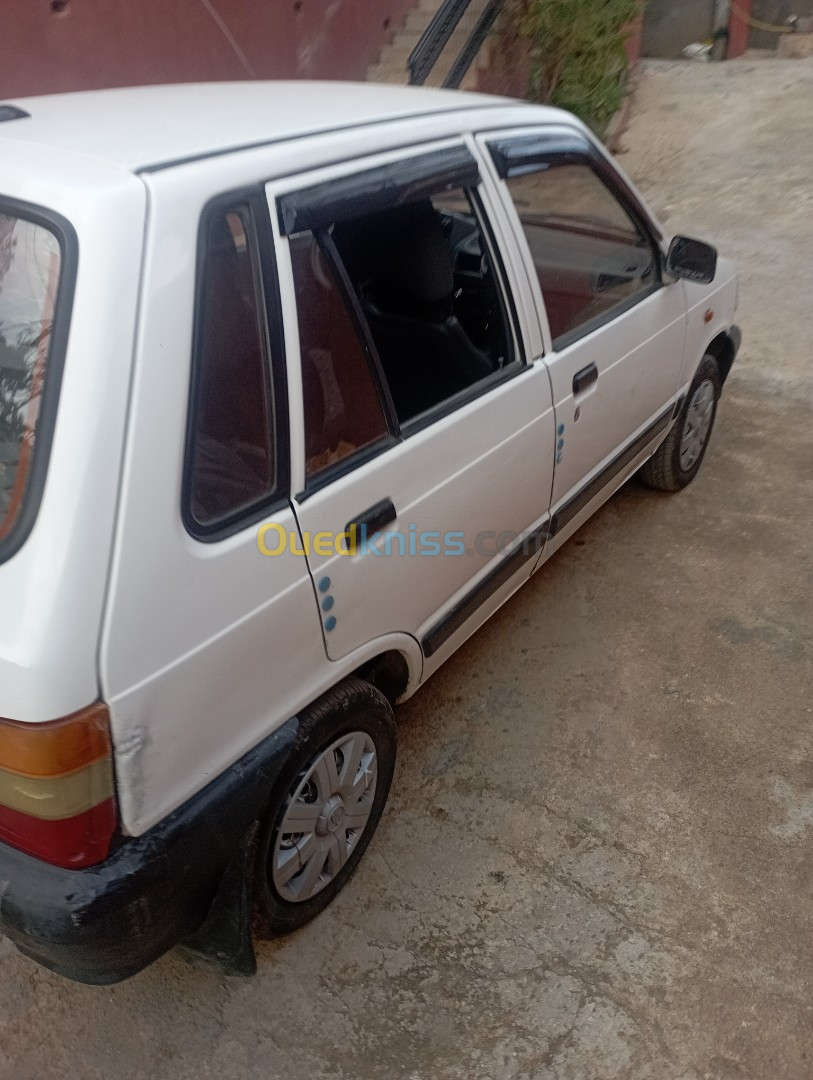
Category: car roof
[147,127]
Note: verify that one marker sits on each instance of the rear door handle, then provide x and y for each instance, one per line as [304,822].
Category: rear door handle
[584,378]
[374,519]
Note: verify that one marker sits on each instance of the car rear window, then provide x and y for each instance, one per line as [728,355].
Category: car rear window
[30,263]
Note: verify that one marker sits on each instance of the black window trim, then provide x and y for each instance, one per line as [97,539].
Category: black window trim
[507,298]
[571,148]
[464,397]
[325,477]
[252,199]
[65,235]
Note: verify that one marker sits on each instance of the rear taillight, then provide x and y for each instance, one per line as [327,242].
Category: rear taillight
[57,798]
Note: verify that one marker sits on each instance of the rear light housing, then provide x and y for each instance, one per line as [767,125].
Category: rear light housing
[57,794]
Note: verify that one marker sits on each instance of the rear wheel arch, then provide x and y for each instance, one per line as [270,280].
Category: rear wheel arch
[390,673]
[324,806]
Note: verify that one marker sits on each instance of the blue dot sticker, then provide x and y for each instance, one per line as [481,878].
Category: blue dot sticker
[560,445]
[330,624]
[327,603]
[559,459]
[560,430]
[324,584]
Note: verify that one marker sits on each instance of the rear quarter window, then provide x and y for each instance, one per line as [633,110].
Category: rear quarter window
[31,272]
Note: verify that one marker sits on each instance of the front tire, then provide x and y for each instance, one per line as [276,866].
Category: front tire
[677,460]
[325,805]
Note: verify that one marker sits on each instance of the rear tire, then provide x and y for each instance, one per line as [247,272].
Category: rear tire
[677,460]
[325,806]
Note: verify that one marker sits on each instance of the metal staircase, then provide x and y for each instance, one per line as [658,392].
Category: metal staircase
[438,44]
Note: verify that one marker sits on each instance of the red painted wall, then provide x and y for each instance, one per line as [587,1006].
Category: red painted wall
[58,45]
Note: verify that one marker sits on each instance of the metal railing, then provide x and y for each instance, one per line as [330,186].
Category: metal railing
[452,40]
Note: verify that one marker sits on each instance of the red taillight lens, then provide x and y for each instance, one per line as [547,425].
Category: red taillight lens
[57,797]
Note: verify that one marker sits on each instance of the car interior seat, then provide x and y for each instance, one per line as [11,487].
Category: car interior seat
[403,269]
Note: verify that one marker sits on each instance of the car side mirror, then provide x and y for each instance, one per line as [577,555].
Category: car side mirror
[692,260]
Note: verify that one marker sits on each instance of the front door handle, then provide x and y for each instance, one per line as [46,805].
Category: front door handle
[584,378]
[373,520]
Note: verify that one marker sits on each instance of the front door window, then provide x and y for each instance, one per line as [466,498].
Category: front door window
[591,258]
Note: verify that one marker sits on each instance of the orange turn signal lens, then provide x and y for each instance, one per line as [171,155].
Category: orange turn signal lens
[55,748]
[57,796]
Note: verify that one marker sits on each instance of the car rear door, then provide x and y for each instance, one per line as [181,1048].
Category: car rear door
[400,427]
[616,327]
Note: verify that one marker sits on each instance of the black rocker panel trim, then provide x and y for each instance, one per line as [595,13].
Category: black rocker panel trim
[593,487]
[503,572]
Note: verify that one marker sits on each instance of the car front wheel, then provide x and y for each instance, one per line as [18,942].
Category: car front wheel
[678,459]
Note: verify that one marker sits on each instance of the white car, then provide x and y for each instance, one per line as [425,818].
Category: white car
[298,384]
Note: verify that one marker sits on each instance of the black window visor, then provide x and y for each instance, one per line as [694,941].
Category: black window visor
[522,154]
[400,182]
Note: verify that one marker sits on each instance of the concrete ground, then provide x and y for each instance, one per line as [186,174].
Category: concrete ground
[596,861]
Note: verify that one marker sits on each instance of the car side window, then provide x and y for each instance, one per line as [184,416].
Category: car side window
[231,460]
[429,292]
[30,264]
[344,413]
[591,257]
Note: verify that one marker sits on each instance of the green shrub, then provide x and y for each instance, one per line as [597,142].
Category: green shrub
[577,49]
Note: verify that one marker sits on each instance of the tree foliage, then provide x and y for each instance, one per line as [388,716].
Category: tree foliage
[16,377]
[578,59]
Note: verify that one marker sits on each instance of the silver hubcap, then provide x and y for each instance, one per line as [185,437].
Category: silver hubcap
[327,812]
[698,422]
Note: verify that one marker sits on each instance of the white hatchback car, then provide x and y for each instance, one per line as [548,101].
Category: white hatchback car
[298,384]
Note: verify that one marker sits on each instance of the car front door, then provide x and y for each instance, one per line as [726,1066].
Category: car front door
[616,327]
[423,460]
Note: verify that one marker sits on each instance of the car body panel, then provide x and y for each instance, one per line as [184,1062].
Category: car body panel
[709,313]
[52,590]
[203,650]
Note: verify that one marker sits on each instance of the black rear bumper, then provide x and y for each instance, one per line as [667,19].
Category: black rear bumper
[106,923]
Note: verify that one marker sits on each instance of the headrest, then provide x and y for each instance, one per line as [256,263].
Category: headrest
[405,247]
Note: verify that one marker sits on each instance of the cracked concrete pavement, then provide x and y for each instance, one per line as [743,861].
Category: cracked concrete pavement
[596,861]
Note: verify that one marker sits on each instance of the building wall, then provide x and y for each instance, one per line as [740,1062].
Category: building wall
[671,25]
[60,45]
[634,42]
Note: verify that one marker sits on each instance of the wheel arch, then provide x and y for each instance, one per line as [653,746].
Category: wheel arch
[724,350]
[390,672]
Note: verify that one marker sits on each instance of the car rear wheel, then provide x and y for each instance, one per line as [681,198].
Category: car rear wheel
[326,805]
[678,459]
